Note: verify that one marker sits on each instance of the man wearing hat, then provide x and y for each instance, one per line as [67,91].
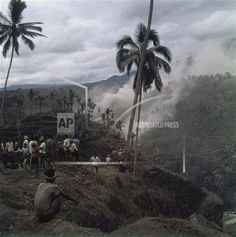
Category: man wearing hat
[48,198]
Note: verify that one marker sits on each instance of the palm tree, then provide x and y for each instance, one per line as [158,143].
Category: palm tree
[11,29]
[129,54]
[136,52]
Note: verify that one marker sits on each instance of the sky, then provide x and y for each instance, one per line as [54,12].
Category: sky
[81,37]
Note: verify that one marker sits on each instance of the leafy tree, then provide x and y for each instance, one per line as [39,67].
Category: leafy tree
[11,29]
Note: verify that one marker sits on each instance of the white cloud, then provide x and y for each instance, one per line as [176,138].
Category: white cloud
[82,35]
[219,24]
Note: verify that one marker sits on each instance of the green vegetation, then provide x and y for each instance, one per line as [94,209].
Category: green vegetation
[207,114]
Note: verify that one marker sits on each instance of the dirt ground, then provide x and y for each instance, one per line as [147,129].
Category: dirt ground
[109,203]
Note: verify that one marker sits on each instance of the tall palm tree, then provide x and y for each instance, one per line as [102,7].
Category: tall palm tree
[11,29]
[156,57]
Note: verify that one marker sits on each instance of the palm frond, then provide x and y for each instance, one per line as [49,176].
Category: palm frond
[140,33]
[154,37]
[119,59]
[16,8]
[4,27]
[31,23]
[4,36]
[16,44]
[163,64]
[4,19]
[124,57]
[147,78]
[129,66]
[165,52]
[29,27]
[158,82]
[30,33]
[28,42]
[6,46]
[126,41]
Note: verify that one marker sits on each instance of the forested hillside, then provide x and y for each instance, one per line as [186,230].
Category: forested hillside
[206,112]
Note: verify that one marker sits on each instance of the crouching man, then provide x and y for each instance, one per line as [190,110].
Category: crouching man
[48,198]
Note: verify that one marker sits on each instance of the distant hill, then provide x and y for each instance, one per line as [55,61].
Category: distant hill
[115,81]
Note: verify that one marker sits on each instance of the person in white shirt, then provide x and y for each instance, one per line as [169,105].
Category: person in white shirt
[95,159]
[73,150]
[108,158]
[42,152]
[30,146]
[34,152]
[9,147]
[26,141]
[66,146]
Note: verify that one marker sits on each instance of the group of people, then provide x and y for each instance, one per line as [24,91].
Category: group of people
[39,152]
[115,156]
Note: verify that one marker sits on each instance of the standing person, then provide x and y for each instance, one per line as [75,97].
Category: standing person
[25,154]
[60,151]
[35,156]
[114,154]
[108,158]
[30,146]
[50,151]
[25,141]
[120,155]
[66,145]
[76,141]
[95,160]
[18,151]
[73,150]
[42,152]
[9,147]
[48,198]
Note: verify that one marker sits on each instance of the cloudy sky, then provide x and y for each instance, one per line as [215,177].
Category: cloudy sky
[82,35]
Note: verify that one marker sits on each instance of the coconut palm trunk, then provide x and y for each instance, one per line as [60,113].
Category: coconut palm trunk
[140,70]
[137,131]
[5,85]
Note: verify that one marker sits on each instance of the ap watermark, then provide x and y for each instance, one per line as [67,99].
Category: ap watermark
[159,124]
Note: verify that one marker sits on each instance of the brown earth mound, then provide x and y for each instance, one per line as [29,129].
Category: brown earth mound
[165,227]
